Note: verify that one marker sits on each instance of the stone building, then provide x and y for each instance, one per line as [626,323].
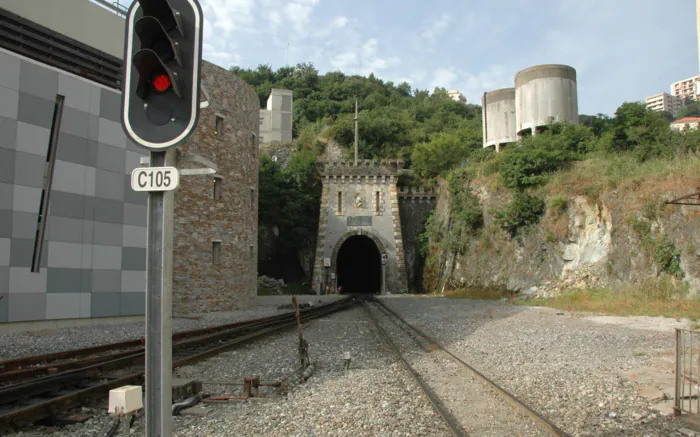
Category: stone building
[359,245]
[73,244]
[216,219]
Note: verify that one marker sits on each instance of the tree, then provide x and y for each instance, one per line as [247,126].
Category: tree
[692,109]
[442,153]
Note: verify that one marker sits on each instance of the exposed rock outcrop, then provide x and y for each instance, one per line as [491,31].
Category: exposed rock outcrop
[590,242]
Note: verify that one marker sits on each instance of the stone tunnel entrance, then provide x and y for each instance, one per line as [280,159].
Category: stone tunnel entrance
[359,266]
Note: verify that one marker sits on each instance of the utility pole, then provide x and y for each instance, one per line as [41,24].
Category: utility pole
[356,120]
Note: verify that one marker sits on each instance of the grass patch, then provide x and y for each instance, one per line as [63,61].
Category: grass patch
[654,297]
[479,293]
[622,172]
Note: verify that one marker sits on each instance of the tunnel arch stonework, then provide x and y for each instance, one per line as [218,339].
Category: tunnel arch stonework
[359,199]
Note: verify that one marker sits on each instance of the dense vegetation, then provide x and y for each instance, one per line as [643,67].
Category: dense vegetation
[632,138]
[437,136]
[393,118]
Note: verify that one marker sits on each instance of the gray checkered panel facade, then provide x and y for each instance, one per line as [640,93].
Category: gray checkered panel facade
[94,256]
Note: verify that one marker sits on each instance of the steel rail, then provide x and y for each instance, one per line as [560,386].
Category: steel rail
[10,393]
[447,417]
[37,363]
[542,421]
[52,407]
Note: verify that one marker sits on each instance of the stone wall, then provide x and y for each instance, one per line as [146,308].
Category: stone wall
[414,209]
[199,285]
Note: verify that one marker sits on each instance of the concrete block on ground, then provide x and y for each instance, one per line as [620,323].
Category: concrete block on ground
[124,400]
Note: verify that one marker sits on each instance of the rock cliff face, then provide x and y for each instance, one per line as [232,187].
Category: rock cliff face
[620,236]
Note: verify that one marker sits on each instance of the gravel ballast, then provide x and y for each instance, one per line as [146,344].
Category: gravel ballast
[376,397]
[563,366]
[474,407]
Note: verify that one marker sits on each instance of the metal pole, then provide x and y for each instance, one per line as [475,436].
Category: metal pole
[159,264]
[356,121]
[677,394]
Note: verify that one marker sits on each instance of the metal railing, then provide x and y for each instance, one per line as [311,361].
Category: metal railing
[687,372]
[120,7]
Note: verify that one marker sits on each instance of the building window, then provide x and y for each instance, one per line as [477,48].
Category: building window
[217,189]
[253,143]
[376,199]
[216,252]
[252,251]
[219,125]
[262,121]
[252,197]
[340,201]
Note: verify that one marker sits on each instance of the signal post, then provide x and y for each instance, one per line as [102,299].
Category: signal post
[160,108]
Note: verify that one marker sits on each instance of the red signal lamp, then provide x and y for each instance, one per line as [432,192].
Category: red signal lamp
[161,82]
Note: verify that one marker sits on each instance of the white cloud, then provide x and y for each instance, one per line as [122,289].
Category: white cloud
[228,16]
[364,59]
[344,60]
[443,77]
[436,28]
[334,26]
[298,12]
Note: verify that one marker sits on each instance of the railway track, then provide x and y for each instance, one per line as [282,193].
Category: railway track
[468,402]
[52,384]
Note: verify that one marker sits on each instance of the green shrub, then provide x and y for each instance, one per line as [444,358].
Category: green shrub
[466,209]
[442,153]
[558,204]
[524,210]
[667,257]
[530,164]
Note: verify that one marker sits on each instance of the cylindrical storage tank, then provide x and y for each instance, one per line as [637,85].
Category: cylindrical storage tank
[543,92]
[498,116]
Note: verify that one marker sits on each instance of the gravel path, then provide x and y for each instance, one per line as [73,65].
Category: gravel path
[475,407]
[565,367]
[376,397]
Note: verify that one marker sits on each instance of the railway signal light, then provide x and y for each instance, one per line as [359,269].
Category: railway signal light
[162,62]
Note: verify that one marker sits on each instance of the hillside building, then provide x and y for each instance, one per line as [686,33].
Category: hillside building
[276,119]
[687,88]
[457,96]
[686,123]
[664,102]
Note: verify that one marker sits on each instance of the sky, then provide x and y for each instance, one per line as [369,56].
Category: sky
[623,50]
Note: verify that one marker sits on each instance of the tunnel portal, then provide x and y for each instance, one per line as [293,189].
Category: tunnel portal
[359,266]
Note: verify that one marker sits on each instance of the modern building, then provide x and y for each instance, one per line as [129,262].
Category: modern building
[686,123]
[276,119]
[72,231]
[457,96]
[664,102]
[687,88]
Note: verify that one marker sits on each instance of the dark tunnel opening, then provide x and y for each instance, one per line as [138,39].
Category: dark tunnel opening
[359,266]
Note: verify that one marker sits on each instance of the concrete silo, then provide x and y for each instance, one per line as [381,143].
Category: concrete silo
[498,117]
[544,91]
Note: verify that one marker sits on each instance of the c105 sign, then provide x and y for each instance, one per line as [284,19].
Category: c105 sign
[155,179]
